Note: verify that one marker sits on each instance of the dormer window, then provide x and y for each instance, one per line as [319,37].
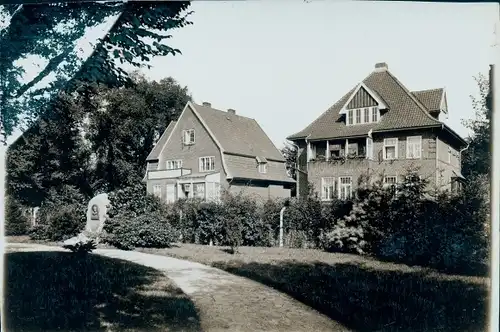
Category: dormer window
[350,117]
[366,112]
[374,114]
[362,115]
[358,116]
[261,164]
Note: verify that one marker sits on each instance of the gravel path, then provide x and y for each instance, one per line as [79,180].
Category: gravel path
[225,302]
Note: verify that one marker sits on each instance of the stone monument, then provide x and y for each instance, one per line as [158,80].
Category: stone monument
[97,213]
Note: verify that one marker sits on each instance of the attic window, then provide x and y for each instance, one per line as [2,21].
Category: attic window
[362,115]
[188,137]
[263,168]
[262,164]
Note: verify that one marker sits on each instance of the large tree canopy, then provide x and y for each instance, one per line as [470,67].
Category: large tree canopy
[51,31]
[96,141]
[125,131]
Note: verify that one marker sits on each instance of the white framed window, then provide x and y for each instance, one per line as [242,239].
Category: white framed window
[345,187]
[369,148]
[374,114]
[206,164]
[327,188]
[366,115]
[199,190]
[263,168]
[188,137]
[157,190]
[358,115]
[414,147]
[391,182]
[350,117]
[390,148]
[174,164]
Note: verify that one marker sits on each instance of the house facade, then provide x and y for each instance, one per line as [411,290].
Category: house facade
[379,128]
[208,150]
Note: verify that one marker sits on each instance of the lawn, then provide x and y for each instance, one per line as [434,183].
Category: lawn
[48,291]
[361,293]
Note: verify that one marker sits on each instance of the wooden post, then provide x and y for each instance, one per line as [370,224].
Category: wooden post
[281,226]
[327,154]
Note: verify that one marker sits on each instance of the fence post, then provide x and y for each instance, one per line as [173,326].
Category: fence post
[281,225]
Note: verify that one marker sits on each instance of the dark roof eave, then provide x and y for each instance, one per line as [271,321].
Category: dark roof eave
[252,156]
[263,180]
[455,134]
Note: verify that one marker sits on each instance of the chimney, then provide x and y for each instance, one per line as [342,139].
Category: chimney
[381,66]
[231,111]
[207,104]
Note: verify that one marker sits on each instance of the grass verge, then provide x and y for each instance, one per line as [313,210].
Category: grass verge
[60,291]
[361,293]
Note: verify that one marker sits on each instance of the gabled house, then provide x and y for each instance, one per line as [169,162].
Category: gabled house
[379,127]
[208,150]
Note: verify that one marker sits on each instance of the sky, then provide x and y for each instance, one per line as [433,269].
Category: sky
[285,63]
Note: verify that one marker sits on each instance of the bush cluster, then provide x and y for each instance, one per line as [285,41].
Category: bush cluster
[61,216]
[16,223]
[149,230]
[411,225]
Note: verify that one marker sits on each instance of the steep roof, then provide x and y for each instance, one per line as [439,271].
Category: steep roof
[431,98]
[405,110]
[155,153]
[238,134]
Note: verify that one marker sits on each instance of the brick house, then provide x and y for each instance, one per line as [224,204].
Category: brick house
[207,150]
[379,127]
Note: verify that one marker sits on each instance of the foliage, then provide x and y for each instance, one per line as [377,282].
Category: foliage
[122,136]
[148,230]
[51,32]
[80,244]
[476,159]
[51,154]
[16,223]
[133,201]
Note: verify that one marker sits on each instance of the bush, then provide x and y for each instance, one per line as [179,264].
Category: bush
[66,222]
[61,216]
[133,201]
[39,232]
[16,223]
[149,230]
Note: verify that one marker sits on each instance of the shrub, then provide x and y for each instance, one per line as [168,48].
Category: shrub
[209,223]
[16,223]
[149,230]
[67,221]
[39,232]
[133,201]
[61,216]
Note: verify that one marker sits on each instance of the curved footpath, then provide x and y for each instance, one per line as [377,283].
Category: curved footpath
[225,302]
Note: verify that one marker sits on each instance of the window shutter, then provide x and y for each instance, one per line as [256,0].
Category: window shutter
[200,164]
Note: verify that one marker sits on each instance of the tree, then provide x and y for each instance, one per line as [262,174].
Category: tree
[124,132]
[477,158]
[51,154]
[289,152]
[51,32]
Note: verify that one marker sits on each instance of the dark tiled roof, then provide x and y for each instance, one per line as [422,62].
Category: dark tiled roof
[238,134]
[405,111]
[430,98]
[155,153]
